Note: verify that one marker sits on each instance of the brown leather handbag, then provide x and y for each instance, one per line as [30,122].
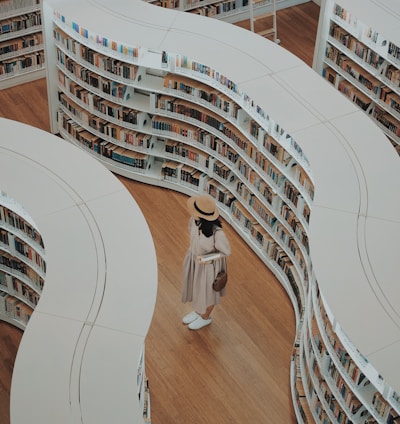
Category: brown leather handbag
[220,281]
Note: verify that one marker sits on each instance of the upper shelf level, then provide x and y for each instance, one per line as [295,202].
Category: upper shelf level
[89,326]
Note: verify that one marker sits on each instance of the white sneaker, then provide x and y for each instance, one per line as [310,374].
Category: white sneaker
[199,323]
[190,317]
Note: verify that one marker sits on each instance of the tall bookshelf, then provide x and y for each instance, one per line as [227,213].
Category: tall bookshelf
[231,10]
[88,329]
[358,52]
[21,42]
[23,265]
[253,129]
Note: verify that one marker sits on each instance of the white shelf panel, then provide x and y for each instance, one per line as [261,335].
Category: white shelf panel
[115,399]
[378,168]
[279,102]
[44,360]
[79,276]
[134,245]
[345,279]
[77,181]
[315,94]
[334,188]
[384,263]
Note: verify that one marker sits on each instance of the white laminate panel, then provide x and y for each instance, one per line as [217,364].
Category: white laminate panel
[335,178]
[344,276]
[31,185]
[78,177]
[316,94]
[334,250]
[379,175]
[130,258]
[40,390]
[108,380]
[382,251]
[75,264]
[141,13]
[386,357]
[276,99]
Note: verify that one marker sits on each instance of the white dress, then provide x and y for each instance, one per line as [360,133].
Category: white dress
[198,278]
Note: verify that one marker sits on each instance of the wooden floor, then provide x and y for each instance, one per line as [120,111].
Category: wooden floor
[237,369]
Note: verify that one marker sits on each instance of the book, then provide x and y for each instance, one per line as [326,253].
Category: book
[210,257]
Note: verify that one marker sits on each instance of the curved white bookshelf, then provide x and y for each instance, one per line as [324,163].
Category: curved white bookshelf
[23,263]
[354,225]
[21,42]
[228,11]
[357,50]
[82,353]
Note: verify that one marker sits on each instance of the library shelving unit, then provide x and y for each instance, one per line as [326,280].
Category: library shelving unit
[21,42]
[272,30]
[23,264]
[231,10]
[358,51]
[81,357]
[148,93]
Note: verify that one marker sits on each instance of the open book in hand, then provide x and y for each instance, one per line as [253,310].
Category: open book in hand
[210,257]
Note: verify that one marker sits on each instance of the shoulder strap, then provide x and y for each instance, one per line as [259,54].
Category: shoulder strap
[215,230]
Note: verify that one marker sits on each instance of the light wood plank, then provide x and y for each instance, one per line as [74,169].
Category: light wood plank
[237,369]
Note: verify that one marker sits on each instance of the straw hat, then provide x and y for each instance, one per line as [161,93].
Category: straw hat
[203,207]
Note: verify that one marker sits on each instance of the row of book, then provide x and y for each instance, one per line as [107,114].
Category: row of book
[22,63]
[394,50]
[22,264]
[14,309]
[354,94]
[16,45]
[354,70]
[349,365]
[20,23]
[386,120]
[106,64]
[185,108]
[104,148]
[13,286]
[19,224]
[330,392]
[363,52]
[201,92]
[383,117]
[355,409]
[35,258]
[97,40]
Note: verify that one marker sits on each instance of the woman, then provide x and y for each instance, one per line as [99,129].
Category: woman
[206,236]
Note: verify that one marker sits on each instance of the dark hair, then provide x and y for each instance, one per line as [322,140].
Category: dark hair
[208,227]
